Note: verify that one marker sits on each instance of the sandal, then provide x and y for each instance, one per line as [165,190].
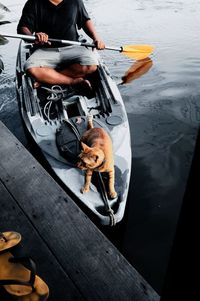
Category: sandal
[21,282]
[9,240]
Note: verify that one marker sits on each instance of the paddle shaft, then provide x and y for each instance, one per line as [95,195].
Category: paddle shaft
[64,42]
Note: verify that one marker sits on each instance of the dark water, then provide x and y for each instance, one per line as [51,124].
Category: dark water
[163,107]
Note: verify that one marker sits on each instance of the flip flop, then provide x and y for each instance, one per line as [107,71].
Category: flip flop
[20,282]
[9,240]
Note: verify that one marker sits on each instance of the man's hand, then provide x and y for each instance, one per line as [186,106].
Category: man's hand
[42,38]
[99,44]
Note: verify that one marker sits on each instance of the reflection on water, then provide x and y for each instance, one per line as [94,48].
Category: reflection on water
[1,66]
[3,40]
[163,107]
[138,69]
[4,22]
[4,8]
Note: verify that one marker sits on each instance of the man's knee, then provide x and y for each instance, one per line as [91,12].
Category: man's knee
[89,69]
[33,71]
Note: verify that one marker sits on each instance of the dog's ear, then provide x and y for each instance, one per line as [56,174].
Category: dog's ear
[85,147]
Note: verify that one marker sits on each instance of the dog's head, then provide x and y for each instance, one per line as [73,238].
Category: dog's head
[90,157]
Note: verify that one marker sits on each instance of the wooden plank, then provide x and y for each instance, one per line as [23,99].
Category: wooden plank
[32,245]
[94,265]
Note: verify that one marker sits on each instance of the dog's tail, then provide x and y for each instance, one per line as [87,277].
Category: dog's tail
[90,121]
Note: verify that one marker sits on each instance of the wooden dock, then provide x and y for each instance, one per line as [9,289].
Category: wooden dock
[73,257]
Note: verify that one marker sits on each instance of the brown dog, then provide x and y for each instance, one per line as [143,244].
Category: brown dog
[97,155]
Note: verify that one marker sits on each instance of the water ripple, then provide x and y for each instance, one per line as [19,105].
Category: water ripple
[8,95]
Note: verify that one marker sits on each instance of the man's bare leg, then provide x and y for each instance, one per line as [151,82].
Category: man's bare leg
[77,70]
[72,75]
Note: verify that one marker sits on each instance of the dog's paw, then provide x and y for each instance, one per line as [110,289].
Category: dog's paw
[113,194]
[84,190]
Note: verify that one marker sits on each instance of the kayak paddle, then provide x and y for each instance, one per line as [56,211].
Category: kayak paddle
[137,52]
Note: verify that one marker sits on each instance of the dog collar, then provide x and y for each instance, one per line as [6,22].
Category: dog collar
[102,163]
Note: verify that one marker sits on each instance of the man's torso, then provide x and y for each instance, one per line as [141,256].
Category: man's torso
[58,21]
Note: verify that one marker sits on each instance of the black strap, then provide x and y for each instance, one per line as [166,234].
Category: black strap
[15,282]
[100,165]
[31,266]
[2,236]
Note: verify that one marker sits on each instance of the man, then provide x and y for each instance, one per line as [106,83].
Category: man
[54,64]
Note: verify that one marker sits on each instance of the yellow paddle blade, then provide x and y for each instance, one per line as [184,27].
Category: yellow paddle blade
[137,52]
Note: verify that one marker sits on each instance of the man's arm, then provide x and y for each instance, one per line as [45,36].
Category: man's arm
[27,21]
[24,30]
[91,32]
[42,37]
[26,24]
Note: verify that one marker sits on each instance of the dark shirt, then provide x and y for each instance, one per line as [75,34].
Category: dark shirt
[59,22]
